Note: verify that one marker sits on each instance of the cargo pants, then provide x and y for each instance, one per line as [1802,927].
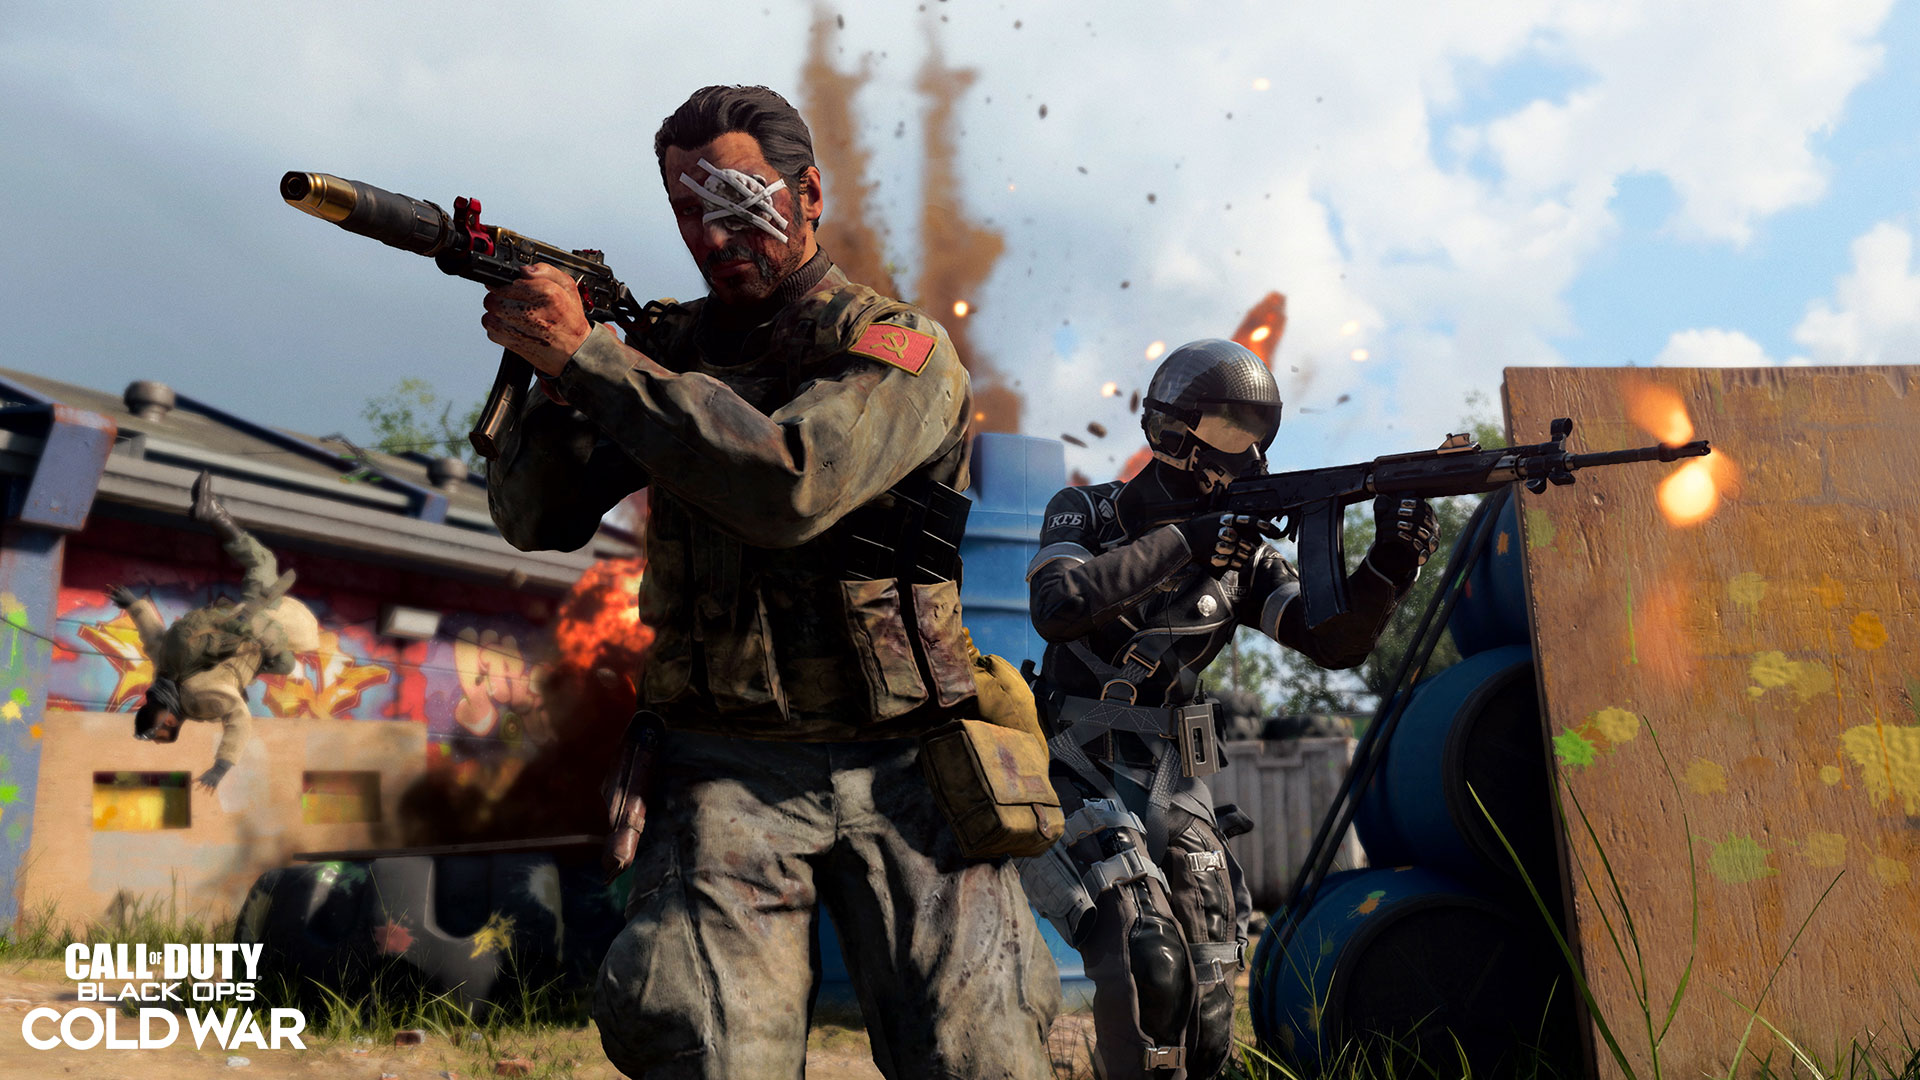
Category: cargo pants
[715,974]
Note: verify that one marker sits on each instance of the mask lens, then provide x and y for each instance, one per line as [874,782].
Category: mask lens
[1234,427]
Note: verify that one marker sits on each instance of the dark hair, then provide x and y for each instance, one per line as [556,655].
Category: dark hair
[713,111]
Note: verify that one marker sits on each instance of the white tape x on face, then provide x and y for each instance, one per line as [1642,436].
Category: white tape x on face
[749,204]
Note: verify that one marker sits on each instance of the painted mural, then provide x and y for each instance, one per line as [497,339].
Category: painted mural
[475,686]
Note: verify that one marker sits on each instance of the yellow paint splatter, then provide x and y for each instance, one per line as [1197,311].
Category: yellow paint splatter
[495,936]
[1747,590]
[1769,670]
[1889,760]
[1868,631]
[1706,777]
[1502,542]
[1615,725]
[1829,774]
[10,711]
[1830,593]
[1772,670]
[1891,871]
[1825,849]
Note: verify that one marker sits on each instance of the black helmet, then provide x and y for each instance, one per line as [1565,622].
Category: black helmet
[1212,408]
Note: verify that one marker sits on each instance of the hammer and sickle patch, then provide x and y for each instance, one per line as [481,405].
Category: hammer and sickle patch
[903,348]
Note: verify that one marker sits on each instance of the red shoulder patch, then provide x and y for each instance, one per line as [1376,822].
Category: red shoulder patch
[903,348]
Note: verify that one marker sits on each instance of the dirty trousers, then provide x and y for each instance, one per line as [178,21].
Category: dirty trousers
[715,974]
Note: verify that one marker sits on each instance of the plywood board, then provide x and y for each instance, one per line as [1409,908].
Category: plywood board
[1751,682]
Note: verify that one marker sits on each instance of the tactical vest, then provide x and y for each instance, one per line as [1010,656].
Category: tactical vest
[793,643]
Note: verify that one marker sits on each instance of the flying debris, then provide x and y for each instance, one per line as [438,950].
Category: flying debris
[1097,429]
[1343,399]
[1154,350]
[1133,403]
[1110,389]
[1075,440]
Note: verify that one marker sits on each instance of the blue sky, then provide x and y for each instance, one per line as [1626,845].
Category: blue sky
[1453,188]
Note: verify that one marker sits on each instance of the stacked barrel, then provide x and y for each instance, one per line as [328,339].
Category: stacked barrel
[1437,949]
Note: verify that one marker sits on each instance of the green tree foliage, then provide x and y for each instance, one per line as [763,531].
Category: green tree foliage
[1290,684]
[410,417]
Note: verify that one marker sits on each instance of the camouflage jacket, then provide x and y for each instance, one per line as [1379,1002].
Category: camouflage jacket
[751,456]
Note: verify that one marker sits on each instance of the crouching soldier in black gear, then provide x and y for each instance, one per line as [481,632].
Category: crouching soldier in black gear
[1133,606]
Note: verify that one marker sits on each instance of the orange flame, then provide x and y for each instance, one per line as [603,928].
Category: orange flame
[1693,493]
[1659,412]
[599,621]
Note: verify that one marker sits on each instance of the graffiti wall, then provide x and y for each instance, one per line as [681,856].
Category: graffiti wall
[475,685]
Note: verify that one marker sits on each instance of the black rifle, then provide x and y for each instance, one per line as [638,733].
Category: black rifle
[1310,504]
[460,245]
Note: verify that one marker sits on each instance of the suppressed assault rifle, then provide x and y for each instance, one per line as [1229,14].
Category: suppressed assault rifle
[1309,504]
[460,245]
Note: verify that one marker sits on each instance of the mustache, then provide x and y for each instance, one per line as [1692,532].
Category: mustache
[736,252]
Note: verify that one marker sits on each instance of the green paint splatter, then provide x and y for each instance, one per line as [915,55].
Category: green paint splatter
[1739,859]
[1573,749]
[1540,532]
[16,832]
[351,873]
[9,794]
[20,696]
[5,763]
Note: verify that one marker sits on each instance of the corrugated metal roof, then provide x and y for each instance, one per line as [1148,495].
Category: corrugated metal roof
[299,485]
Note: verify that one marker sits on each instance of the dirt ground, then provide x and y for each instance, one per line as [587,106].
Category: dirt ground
[833,1052]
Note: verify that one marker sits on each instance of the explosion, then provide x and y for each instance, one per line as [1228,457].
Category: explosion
[598,625]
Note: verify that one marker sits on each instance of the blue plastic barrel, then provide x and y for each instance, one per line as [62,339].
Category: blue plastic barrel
[1412,957]
[1472,729]
[1013,477]
[1492,611]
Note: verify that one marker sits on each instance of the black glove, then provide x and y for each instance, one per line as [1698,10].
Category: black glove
[1224,542]
[210,779]
[1406,532]
[121,596]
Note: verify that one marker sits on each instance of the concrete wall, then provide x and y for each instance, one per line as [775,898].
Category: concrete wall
[251,824]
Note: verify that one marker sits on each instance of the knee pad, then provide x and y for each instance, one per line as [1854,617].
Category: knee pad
[1162,977]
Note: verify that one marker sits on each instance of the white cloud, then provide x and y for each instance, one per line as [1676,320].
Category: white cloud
[1873,316]
[1712,348]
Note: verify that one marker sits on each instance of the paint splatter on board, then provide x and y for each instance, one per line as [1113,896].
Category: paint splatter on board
[1891,871]
[1868,631]
[1830,592]
[1740,859]
[1824,849]
[1706,777]
[1540,531]
[1369,905]
[1772,671]
[1746,591]
[1829,774]
[1889,761]
[1616,725]
[1573,750]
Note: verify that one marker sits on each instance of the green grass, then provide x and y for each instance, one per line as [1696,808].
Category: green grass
[42,933]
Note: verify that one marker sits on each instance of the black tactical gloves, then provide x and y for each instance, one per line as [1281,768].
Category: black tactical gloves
[1406,532]
[1225,542]
[121,596]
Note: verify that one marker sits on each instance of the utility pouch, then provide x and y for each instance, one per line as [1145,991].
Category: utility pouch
[991,782]
[881,644]
[990,775]
[1193,735]
[936,612]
